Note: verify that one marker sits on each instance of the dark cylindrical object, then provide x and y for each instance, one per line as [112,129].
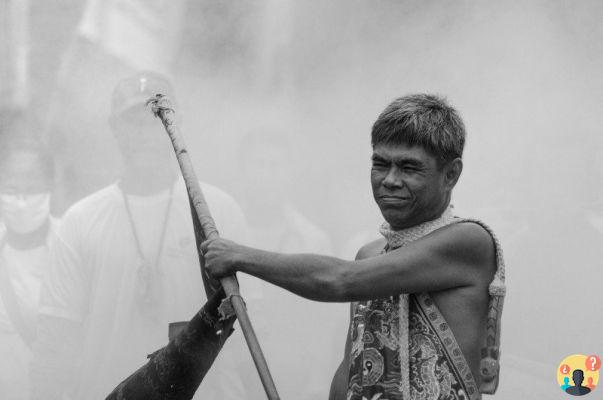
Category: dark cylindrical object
[176,371]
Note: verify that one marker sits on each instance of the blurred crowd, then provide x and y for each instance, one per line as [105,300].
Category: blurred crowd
[87,294]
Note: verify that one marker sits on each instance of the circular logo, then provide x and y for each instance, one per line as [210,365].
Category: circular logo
[372,368]
[578,374]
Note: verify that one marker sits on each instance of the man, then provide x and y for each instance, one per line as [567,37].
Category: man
[427,298]
[124,264]
[26,183]
[578,389]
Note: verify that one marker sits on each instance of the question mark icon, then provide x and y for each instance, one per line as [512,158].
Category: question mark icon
[564,369]
[593,363]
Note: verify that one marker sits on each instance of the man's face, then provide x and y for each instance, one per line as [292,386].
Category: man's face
[141,139]
[578,377]
[408,185]
[23,174]
[25,188]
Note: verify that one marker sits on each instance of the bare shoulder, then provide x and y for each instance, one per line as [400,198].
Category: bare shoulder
[468,242]
[371,249]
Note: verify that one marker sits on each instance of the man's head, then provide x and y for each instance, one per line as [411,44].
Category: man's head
[417,144]
[26,182]
[140,136]
[578,377]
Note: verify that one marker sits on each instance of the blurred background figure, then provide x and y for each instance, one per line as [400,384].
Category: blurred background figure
[299,351]
[124,265]
[26,185]
[270,173]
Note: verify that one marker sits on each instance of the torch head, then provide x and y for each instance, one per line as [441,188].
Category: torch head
[135,91]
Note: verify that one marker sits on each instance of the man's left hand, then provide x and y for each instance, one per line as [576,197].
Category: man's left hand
[220,257]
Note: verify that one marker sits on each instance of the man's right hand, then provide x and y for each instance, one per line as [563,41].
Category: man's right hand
[221,257]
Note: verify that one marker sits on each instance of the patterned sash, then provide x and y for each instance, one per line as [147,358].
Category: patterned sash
[402,347]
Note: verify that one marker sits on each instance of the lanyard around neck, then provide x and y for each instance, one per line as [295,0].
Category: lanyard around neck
[163,226]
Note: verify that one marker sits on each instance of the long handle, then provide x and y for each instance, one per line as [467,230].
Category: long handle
[160,106]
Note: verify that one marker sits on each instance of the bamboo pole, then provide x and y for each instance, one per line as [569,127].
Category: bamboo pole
[161,108]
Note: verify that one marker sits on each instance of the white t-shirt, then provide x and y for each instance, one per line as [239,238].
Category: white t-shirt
[93,279]
[25,269]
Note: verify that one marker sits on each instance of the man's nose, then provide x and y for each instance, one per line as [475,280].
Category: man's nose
[393,179]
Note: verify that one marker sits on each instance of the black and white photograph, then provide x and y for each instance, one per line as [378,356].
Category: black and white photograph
[301,200]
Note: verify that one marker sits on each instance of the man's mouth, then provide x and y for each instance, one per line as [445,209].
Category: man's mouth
[394,199]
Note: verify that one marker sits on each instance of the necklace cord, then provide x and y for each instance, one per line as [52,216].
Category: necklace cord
[163,228]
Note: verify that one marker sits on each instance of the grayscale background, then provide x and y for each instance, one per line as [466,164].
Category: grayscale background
[525,76]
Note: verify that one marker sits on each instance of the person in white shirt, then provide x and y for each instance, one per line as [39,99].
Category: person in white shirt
[124,265]
[26,181]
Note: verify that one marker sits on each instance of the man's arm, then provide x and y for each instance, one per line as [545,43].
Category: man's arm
[458,255]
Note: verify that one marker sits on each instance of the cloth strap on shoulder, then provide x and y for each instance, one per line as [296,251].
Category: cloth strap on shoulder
[490,353]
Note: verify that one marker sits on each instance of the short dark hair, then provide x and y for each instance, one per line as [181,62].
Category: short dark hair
[425,120]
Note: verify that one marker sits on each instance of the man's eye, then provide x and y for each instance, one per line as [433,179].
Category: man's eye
[8,192]
[379,164]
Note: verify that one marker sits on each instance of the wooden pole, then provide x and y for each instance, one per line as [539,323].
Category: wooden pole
[161,108]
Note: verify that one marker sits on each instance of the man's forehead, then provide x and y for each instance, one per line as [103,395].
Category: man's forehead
[22,162]
[399,152]
[23,172]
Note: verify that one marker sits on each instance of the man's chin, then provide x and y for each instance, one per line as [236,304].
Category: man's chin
[396,218]
[148,161]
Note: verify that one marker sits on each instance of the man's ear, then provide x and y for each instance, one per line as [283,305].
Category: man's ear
[452,172]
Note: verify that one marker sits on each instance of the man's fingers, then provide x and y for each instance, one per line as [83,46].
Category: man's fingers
[216,254]
[205,245]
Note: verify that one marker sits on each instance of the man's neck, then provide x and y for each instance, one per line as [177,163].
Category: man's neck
[29,240]
[437,213]
[146,184]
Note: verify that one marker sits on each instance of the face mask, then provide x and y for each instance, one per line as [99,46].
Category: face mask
[24,213]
